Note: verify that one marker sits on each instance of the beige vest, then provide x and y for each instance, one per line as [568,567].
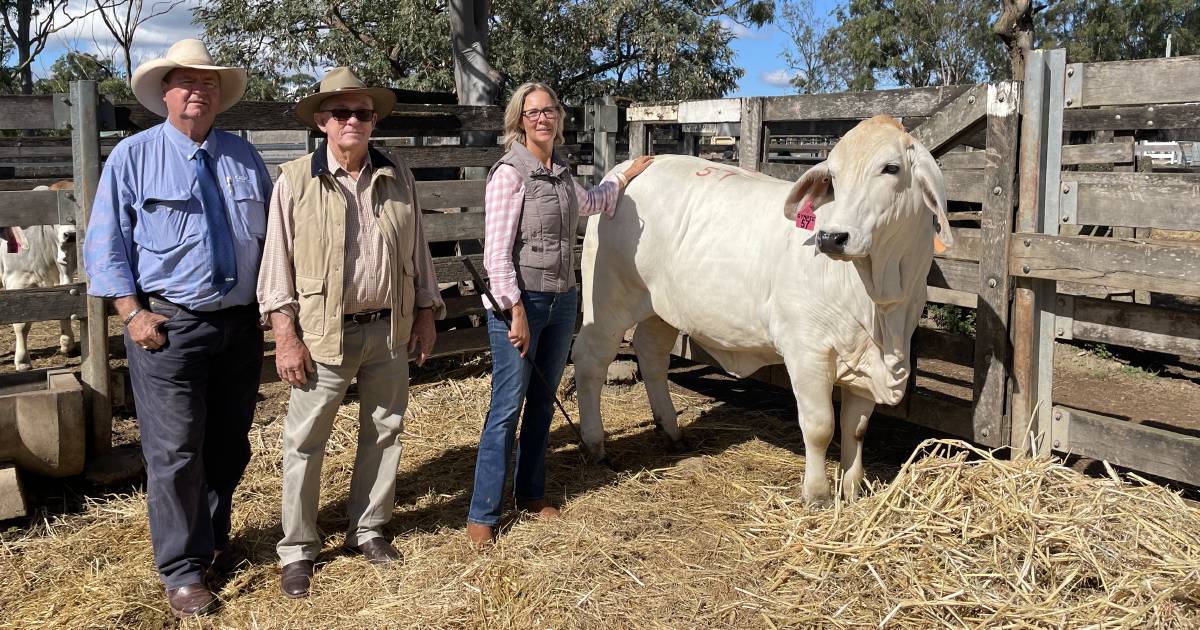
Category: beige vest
[319,247]
[544,251]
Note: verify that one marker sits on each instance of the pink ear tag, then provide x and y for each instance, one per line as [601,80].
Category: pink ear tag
[806,218]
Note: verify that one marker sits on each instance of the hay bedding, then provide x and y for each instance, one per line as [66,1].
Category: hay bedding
[958,539]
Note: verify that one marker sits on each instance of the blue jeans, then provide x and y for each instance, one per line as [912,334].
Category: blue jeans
[551,323]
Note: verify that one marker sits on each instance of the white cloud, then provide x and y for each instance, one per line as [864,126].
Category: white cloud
[778,78]
[745,32]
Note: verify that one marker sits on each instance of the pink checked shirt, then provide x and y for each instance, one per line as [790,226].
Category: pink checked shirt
[502,202]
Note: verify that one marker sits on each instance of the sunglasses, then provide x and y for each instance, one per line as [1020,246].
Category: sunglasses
[342,115]
[533,114]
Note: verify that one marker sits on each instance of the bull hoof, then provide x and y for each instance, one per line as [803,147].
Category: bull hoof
[607,463]
[24,367]
[677,447]
[70,351]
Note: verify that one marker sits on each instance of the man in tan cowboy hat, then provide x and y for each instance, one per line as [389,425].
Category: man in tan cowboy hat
[348,284]
[175,239]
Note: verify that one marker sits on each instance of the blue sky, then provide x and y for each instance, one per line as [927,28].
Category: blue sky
[758,51]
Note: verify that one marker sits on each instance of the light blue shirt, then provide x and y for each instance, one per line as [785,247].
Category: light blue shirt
[147,231]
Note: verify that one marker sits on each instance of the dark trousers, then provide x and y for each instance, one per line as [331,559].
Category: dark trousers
[195,399]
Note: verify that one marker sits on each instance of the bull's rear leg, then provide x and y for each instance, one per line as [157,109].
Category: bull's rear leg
[856,413]
[812,379]
[653,341]
[66,338]
[21,352]
[596,346]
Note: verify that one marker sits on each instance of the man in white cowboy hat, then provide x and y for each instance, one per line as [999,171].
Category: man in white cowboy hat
[175,239]
[348,284]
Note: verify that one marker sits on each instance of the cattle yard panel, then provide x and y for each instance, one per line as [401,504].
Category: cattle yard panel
[1094,227]
[78,113]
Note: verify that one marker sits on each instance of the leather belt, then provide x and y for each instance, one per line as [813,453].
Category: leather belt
[368,317]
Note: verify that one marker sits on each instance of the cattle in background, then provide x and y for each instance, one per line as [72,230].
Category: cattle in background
[46,258]
[826,275]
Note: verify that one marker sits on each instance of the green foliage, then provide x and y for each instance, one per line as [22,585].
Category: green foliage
[643,49]
[952,319]
[78,66]
[1110,30]
[1100,351]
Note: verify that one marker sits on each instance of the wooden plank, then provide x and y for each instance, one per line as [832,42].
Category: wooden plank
[953,119]
[33,207]
[1136,326]
[463,193]
[1124,263]
[42,303]
[270,115]
[666,112]
[786,172]
[966,244]
[1142,81]
[24,150]
[44,170]
[898,103]
[966,186]
[448,157]
[451,268]
[1104,153]
[992,313]
[710,111]
[750,145]
[1168,201]
[452,226]
[938,295]
[638,139]
[1133,118]
[463,306]
[1124,443]
[956,275]
[26,184]
[962,161]
[27,112]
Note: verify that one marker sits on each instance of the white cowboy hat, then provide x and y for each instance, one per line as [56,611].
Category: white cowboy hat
[342,80]
[185,53]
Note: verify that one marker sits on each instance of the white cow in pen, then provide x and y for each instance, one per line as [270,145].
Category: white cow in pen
[826,275]
[46,258]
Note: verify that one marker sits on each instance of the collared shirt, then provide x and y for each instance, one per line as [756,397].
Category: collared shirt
[502,202]
[367,278]
[148,232]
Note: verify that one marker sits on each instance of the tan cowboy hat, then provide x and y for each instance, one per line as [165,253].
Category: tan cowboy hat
[342,80]
[185,53]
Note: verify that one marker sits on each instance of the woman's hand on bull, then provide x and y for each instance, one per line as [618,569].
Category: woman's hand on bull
[640,164]
[518,333]
[145,329]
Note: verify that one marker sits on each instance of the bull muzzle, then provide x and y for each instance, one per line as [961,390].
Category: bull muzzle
[832,242]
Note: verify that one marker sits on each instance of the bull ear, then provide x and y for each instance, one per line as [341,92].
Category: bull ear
[814,185]
[928,176]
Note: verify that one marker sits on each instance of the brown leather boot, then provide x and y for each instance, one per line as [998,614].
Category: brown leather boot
[376,551]
[296,578]
[540,508]
[481,535]
[191,600]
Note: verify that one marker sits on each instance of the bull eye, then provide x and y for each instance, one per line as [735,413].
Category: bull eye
[891,169]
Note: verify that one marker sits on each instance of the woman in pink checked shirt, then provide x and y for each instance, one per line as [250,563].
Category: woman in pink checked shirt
[532,208]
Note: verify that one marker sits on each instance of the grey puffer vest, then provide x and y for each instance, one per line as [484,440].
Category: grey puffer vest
[544,252]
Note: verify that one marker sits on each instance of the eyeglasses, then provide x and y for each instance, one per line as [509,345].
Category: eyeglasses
[532,115]
[342,115]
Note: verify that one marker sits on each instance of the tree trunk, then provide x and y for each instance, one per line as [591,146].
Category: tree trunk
[475,80]
[23,44]
[1015,28]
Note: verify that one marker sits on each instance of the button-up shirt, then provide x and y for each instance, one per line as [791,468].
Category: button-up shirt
[148,232]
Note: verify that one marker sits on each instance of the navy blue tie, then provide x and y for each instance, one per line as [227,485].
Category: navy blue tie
[220,237]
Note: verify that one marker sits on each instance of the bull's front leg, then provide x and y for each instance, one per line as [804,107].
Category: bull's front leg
[856,413]
[812,375]
[21,352]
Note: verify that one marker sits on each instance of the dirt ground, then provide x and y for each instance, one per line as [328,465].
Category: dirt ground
[83,558]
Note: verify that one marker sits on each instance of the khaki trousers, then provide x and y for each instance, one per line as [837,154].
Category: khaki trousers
[383,395]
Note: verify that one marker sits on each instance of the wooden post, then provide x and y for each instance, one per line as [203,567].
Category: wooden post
[991,339]
[1033,319]
[750,150]
[637,139]
[604,137]
[85,149]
